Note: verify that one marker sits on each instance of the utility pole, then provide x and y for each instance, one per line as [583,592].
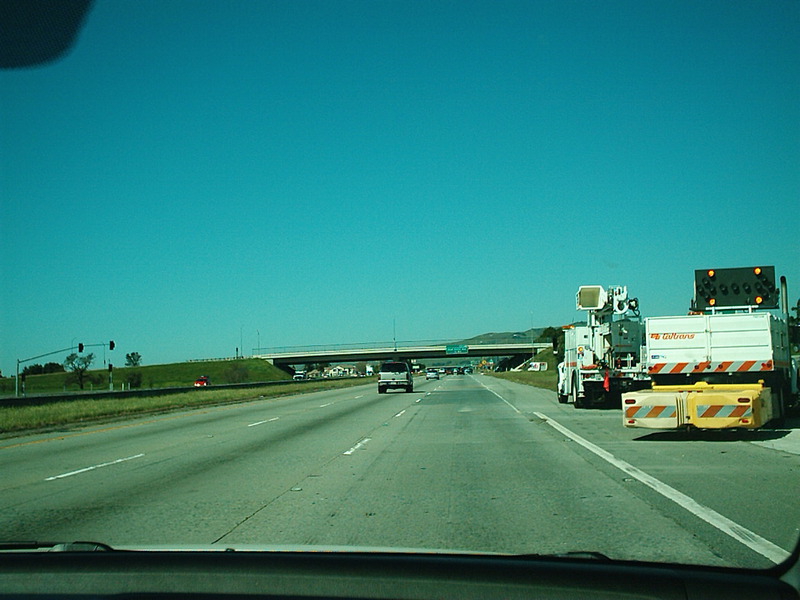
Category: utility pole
[533,350]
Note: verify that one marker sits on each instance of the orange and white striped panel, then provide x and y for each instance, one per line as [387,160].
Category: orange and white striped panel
[728,366]
[657,411]
[709,411]
[652,410]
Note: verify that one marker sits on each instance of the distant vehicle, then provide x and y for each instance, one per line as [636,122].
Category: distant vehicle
[299,375]
[468,370]
[395,374]
[432,374]
[202,381]
[459,370]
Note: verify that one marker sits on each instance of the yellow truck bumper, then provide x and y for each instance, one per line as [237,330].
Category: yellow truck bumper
[700,405]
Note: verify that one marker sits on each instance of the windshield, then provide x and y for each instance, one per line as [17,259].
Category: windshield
[208,192]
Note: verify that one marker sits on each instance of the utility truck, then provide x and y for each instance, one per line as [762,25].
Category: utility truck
[605,357]
[727,364]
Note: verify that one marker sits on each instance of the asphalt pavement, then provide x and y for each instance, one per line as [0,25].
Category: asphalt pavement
[468,463]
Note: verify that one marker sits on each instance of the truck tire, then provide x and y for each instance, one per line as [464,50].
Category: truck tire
[781,404]
[562,398]
[410,388]
[381,390]
[576,400]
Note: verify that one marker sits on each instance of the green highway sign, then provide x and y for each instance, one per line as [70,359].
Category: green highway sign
[456,349]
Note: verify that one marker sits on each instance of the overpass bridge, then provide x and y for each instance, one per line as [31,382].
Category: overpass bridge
[380,351]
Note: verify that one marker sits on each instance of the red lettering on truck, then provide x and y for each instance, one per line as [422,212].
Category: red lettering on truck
[672,336]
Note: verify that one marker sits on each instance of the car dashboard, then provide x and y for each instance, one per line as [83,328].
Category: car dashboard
[233,573]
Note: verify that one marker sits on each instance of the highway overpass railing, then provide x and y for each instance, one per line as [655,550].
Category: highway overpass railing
[389,344]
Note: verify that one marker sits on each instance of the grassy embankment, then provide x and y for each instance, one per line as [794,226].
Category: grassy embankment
[63,411]
[152,376]
[543,379]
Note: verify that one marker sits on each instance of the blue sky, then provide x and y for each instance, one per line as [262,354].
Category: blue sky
[196,174]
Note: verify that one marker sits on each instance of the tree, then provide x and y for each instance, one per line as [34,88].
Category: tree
[794,327]
[78,365]
[134,359]
[554,336]
[134,379]
[37,369]
[34,369]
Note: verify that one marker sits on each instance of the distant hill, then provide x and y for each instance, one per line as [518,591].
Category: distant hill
[505,337]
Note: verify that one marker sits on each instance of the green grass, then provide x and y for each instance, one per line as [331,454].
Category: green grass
[154,376]
[547,379]
[542,379]
[67,412]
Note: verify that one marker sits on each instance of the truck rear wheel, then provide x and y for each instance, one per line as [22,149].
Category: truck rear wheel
[576,400]
[381,390]
[779,405]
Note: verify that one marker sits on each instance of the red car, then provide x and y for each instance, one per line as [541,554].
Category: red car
[202,381]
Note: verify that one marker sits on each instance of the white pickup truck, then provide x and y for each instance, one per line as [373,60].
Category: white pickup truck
[395,374]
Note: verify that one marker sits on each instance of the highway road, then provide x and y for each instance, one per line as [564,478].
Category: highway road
[468,462]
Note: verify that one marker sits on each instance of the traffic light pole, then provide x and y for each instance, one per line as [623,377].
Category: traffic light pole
[70,349]
[24,360]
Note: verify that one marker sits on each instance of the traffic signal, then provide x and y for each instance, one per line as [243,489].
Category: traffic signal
[80,347]
[111,345]
[741,286]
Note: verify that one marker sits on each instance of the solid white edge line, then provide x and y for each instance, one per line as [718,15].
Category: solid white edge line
[741,534]
[92,468]
[501,398]
[400,414]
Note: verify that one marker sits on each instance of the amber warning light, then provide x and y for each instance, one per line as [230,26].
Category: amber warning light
[737,287]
